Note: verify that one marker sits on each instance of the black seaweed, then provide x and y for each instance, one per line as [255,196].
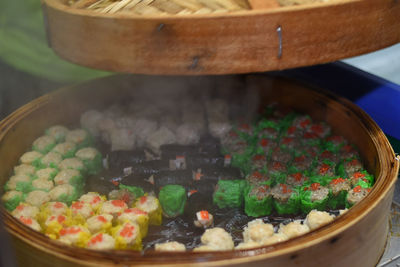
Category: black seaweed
[121,159]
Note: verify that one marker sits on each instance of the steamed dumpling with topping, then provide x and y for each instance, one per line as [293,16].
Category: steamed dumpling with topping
[25,210]
[11,199]
[30,157]
[74,235]
[113,207]
[66,149]
[91,158]
[79,137]
[101,241]
[68,176]
[63,193]
[46,173]
[97,223]
[58,132]
[42,184]
[81,209]
[94,199]
[127,236]
[37,198]
[72,163]
[51,159]
[44,144]
[54,208]
[30,222]
[19,182]
[24,169]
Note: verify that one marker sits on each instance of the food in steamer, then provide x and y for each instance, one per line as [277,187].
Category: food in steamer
[181,7]
[226,183]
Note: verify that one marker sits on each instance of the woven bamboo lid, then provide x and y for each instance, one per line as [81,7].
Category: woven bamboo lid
[227,36]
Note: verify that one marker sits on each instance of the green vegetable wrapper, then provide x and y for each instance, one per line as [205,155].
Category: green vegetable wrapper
[256,205]
[338,201]
[172,199]
[93,166]
[137,191]
[306,203]
[12,203]
[229,193]
[242,161]
[24,187]
[67,199]
[292,206]
[45,150]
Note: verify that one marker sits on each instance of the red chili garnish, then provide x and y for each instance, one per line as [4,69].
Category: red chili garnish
[262,189]
[257,175]
[287,140]
[357,175]
[291,129]
[125,198]
[233,133]
[245,126]
[357,189]
[300,158]
[97,238]
[143,199]
[353,162]
[70,230]
[61,218]
[317,129]
[26,220]
[309,135]
[326,154]
[101,218]
[305,123]
[315,186]
[227,156]
[204,215]
[297,176]
[337,181]
[77,205]
[127,231]
[95,200]
[365,180]
[52,218]
[285,189]
[306,188]
[197,176]
[368,190]
[139,211]
[116,183]
[324,168]
[264,142]
[118,203]
[20,207]
[191,192]
[58,205]
[277,165]
[259,157]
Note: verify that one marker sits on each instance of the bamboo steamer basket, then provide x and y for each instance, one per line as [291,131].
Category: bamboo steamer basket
[357,238]
[262,39]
